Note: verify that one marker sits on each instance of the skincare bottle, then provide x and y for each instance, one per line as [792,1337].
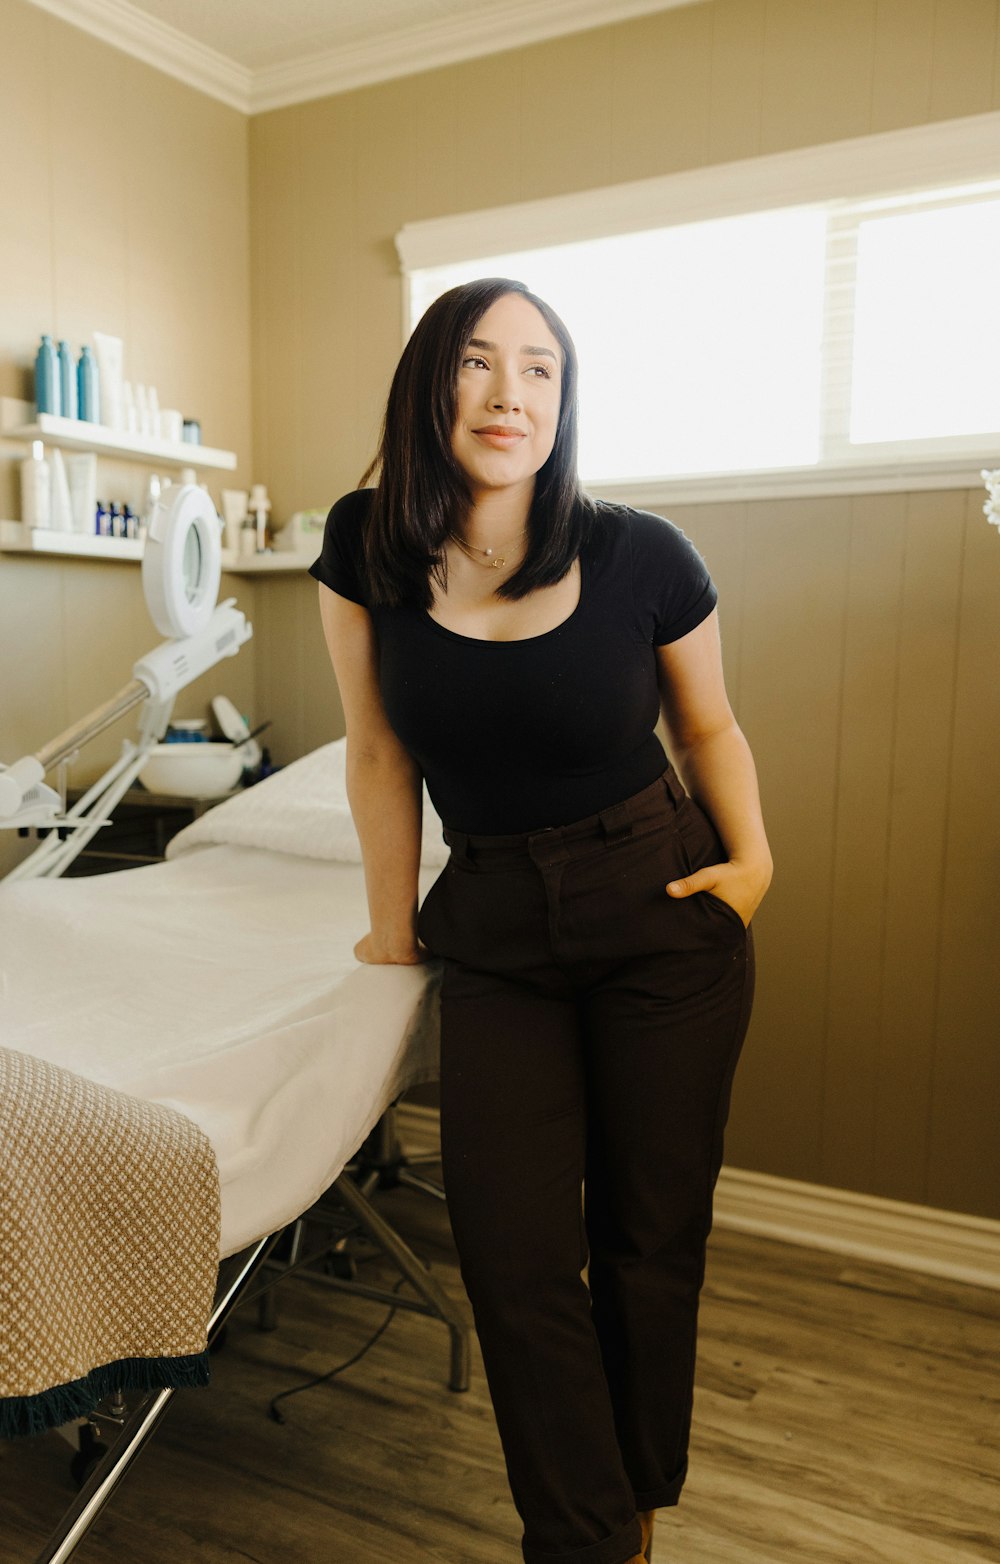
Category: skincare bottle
[109,368]
[153,490]
[117,520]
[67,380]
[234,514]
[88,387]
[129,412]
[142,408]
[102,521]
[153,402]
[47,395]
[258,506]
[36,488]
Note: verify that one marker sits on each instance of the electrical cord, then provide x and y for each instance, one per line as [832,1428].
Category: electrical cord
[321,1379]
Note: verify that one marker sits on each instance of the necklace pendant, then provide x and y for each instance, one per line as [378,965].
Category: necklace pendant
[487,551]
[495,564]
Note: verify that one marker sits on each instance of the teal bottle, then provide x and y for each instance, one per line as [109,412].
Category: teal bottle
[88,387]
[47,394]
[67,380]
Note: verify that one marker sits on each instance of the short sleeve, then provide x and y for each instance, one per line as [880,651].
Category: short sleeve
[671,587]
[341,562]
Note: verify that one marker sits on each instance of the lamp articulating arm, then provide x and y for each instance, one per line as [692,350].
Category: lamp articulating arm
[181,582]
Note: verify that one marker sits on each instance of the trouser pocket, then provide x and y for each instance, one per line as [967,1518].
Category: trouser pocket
[702,845]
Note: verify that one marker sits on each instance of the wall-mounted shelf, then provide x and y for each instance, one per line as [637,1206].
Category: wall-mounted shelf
[265,564]
[15,538]
[18,421]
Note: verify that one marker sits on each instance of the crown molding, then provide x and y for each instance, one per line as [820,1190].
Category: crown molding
[157,44]
[510,24]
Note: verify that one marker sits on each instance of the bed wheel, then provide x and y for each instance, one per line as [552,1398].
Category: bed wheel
[91,1451]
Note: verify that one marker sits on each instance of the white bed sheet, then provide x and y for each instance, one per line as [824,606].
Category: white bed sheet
[223,983]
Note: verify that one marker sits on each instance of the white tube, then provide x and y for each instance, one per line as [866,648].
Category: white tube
[81,469]
[61,519]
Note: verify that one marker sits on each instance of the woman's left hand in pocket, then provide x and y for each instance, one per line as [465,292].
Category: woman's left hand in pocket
[742,886]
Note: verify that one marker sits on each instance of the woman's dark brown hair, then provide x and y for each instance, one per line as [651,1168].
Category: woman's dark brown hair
[422,491]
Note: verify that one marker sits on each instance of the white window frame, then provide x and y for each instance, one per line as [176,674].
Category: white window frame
[891,166]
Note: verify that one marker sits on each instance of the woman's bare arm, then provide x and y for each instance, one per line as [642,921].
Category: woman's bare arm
[716,766]
[384,786]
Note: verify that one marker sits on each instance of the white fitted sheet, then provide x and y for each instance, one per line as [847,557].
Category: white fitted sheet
[223,983]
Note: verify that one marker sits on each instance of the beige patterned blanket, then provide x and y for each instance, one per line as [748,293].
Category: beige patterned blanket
[109,1244]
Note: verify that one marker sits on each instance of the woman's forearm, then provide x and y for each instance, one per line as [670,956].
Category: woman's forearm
[719,773]
[385,791]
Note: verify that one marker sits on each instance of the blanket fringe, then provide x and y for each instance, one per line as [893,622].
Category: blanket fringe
[22,1416]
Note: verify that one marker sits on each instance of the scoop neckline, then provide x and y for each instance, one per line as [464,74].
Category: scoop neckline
[519,640]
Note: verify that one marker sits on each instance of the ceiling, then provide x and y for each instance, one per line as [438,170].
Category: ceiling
[256,55]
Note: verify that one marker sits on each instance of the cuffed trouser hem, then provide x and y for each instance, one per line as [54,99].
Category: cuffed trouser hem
[666,1494]
[624,1545]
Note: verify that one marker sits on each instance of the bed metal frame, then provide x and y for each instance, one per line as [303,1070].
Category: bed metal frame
[156,679]
[237,1276]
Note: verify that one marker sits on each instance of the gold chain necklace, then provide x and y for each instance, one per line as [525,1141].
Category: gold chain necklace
[492,561]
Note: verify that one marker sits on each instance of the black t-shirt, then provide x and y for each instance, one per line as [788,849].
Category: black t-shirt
[519,735]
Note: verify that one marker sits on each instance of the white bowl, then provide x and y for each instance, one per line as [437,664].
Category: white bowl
[204,770]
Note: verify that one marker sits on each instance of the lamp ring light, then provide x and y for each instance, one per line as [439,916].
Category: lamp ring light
[182,560]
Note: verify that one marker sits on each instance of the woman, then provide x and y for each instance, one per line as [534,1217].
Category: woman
[495,630]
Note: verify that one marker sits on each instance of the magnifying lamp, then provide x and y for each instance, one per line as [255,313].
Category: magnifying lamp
[182,560]
[181,570]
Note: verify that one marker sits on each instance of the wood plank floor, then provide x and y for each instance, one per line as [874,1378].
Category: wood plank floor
[844,1414]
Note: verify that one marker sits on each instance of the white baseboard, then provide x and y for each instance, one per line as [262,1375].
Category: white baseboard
[890,1232]
[869,1227]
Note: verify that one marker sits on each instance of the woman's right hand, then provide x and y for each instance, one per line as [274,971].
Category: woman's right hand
[376,953]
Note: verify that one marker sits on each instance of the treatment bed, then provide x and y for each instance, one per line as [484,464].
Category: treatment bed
[222,984]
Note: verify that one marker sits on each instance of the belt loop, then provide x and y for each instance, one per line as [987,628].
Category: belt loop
[615,822]
[674,786]
[458,841]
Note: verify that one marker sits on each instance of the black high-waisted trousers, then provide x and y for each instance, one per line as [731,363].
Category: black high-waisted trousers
[590,1028]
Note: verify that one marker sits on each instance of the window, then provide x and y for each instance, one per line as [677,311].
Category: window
[927,305]
[690,359]
[840,338]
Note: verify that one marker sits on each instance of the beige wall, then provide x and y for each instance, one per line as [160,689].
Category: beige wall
[125,209]
[860,634]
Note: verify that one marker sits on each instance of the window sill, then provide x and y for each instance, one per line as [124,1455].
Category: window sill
[790,483]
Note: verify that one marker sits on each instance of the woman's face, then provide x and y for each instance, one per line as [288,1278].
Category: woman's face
[508,397]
